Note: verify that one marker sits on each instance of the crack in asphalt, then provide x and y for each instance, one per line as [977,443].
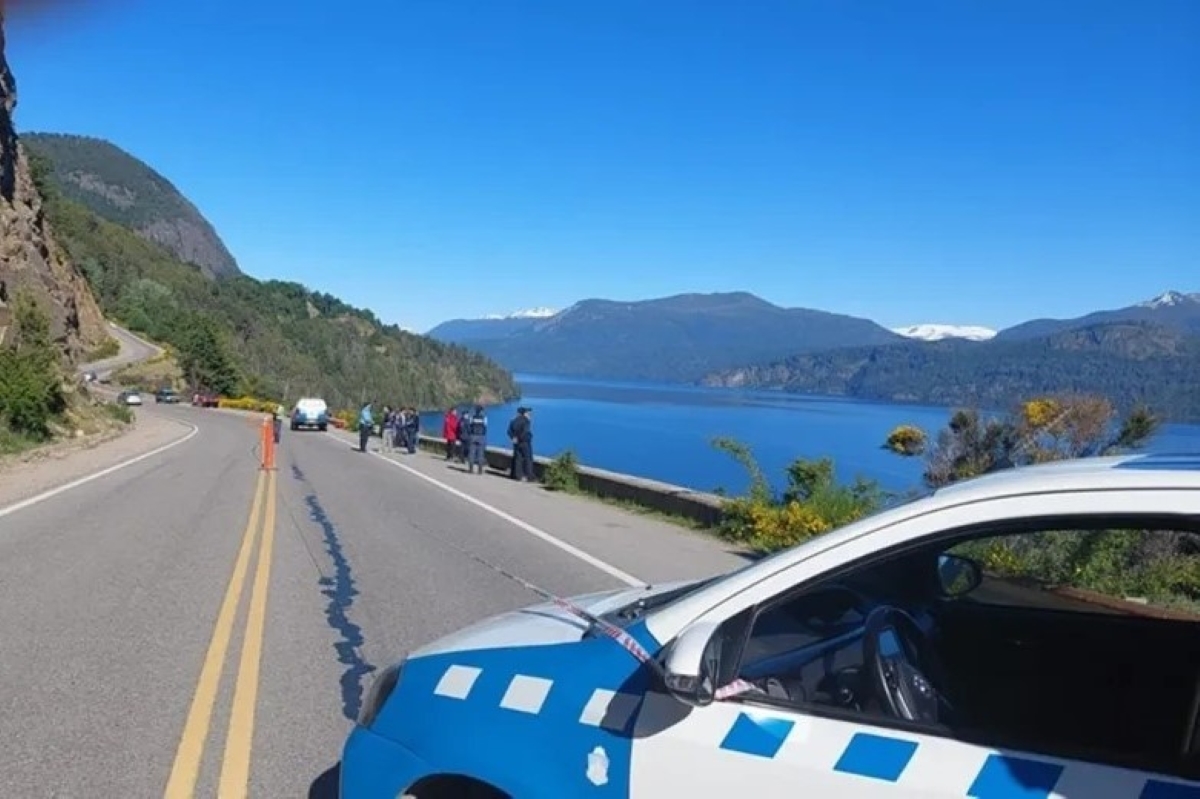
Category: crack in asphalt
[340,589]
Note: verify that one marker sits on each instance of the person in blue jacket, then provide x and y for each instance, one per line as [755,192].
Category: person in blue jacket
[366,425]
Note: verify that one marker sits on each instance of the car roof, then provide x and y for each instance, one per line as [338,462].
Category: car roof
[1138,472]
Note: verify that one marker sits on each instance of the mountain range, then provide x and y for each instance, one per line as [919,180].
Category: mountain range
[1146,352]
[678,338]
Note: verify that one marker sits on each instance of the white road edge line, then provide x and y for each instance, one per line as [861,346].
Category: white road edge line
[591,560]
[62,489]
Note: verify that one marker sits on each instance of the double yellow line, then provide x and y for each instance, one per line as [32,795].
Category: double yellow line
[235,764]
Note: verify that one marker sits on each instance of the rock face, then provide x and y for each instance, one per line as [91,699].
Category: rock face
[30,260]
[116,186]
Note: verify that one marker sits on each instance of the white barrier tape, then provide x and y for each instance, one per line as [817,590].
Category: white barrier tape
[611,631]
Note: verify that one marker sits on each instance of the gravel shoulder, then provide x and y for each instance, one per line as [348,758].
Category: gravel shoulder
[28,474]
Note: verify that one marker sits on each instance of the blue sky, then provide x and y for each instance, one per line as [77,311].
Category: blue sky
[961,162]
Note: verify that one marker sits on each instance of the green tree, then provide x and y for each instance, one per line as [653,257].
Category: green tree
[205,360]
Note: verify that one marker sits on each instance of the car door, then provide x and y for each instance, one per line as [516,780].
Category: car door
[739,746]
[733,748]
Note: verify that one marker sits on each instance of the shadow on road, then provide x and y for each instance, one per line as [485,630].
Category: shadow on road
[341,591]
[326,786]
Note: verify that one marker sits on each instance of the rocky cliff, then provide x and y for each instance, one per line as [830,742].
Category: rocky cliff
[30,260]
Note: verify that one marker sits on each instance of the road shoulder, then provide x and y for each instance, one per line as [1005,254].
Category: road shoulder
[30,474]
[643,546]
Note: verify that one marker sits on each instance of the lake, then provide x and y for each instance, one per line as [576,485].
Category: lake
[664,431]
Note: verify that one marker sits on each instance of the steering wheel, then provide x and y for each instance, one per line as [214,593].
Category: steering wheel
[898,655]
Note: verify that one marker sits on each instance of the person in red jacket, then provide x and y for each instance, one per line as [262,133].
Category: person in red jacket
[450,432]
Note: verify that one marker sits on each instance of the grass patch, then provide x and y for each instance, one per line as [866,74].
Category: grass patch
[650,513]
[12,443]
[110,348]
[122,413]
[158,372]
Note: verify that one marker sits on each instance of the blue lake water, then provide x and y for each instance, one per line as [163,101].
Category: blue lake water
[664,431]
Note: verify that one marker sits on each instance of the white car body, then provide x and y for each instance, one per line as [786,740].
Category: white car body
[310,412]
[133,398]
[551,701]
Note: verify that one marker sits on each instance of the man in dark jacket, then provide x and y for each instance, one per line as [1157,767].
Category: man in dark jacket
[477,439]
[520,432]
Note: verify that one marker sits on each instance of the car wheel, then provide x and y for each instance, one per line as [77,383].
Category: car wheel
[321,428]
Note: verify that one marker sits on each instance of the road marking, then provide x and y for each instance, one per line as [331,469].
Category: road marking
[62,489]
[235,766]
[186,768]
[574,551]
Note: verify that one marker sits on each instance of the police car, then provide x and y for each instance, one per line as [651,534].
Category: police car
[980,641]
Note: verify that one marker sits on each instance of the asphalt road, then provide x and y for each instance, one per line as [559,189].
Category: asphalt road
[115,683]
[132,349]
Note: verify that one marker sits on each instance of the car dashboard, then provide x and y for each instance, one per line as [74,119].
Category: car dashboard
[814,644]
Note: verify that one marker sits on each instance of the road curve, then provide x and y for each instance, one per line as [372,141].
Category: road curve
[122,673]
[133,349]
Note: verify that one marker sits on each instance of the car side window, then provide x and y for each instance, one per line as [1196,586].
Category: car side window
[1078,640]
[1122,571]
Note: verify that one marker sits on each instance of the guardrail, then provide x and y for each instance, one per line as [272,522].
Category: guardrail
[700,507]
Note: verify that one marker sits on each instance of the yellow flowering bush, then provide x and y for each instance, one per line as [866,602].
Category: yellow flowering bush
[906,439]
[247,404]
[1040,413]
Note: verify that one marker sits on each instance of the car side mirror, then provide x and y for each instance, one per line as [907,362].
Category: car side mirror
[958,576]
[692,664]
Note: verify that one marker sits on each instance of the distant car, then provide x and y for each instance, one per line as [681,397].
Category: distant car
[981,640]
[166,395]
[129,398]
[310,412]
[204,399]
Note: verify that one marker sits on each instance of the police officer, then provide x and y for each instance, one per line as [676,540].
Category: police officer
[520,433]
[476,439]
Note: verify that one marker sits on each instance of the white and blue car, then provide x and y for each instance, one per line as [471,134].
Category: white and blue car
[981,641]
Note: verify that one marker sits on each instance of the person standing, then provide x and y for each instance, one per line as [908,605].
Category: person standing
[389,422]
[477,439]
[412,426]
[464,445]
[450,432]
[520,432]
[366,424]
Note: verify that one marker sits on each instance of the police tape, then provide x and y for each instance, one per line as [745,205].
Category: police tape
[630,644]
[611,631]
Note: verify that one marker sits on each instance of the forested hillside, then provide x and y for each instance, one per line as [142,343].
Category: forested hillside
[265,338]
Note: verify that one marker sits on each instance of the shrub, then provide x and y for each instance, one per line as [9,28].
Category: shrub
[562,473]
[906,440]
[248,404]
[1038,430]
[121,413]
[108,349]
[813,503]
[31,391]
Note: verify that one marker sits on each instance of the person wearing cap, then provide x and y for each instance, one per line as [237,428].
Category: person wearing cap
[476,439]
[520,432]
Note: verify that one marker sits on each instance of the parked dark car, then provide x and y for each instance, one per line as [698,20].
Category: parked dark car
[166,395]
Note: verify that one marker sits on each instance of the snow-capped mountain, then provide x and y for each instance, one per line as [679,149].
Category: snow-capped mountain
[1170,299]
[935,332]
[529,313]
